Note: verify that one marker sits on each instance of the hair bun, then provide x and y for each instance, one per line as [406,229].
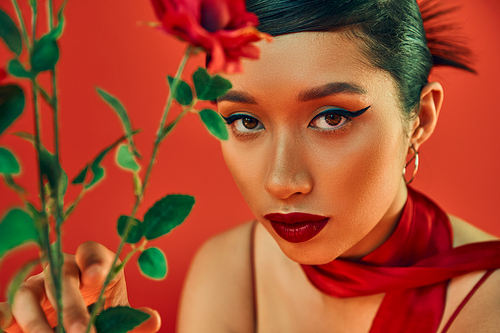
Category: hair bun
[447,46]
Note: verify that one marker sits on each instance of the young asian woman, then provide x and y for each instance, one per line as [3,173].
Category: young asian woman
[323,127]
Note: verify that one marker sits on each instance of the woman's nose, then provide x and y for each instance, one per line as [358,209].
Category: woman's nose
[287,173]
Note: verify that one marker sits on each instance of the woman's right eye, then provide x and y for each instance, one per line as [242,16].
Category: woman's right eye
[243,123]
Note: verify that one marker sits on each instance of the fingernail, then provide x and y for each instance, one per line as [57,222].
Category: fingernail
[78,328]
[93,270]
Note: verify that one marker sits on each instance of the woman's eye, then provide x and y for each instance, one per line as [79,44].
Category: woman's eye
[244,123]
[329,121]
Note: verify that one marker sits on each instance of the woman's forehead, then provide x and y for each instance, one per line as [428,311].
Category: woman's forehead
[299,62]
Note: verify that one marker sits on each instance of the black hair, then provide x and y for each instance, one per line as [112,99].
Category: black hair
[392,32]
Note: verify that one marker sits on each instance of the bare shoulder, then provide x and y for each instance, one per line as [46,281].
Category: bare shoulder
[465,233]
[482,312]
[217,295]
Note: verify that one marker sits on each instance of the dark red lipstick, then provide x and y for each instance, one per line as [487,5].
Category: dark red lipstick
[297,227]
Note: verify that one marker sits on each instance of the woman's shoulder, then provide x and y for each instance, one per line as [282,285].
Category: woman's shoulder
[481,313]
[466,233]
[217,295]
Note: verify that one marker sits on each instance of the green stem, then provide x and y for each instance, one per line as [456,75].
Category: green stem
[46,233]
[164,117]
[21,22]
[50,15]
[33,22]
[113,271]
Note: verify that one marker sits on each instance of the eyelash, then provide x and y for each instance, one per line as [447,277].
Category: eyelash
[346,115]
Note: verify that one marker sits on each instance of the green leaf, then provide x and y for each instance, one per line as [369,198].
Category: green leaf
[58,30]
[33,4]
[20,276]
[11,105]
[10,34]
[201,80]
[8,162]
[122,113]
[167,129]
[153,263]
[48,166]
[183,94]
[166,214]
[34,213]
[125,159]
[63,184]
[12,184]
[214,123]
[45,54]
[136,230]
[81,176]
[16,228]
[207,87]
[120,319]
[16,69]
[95,166]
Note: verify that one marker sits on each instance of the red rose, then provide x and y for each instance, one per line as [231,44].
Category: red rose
[222,27]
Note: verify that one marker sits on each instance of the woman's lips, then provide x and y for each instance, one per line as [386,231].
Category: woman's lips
[297,227]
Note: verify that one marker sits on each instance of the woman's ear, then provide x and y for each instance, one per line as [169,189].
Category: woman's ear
[431,98]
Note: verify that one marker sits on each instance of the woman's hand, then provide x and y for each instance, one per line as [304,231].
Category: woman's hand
[83,276]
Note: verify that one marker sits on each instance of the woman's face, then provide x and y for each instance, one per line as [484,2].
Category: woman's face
[302,141]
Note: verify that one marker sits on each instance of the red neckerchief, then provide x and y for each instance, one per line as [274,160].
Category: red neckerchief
[413,267]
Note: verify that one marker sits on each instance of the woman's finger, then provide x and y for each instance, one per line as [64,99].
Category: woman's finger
[6,318]
[94,261]
[75,315]
[27,307]
[151,325]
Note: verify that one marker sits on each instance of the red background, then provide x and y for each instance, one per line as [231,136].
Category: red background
[104,46]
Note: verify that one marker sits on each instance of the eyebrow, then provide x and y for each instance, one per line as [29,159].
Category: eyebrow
[237,97]
[328,90]
[304,96]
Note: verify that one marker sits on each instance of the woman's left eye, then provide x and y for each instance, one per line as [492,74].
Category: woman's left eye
[330,120]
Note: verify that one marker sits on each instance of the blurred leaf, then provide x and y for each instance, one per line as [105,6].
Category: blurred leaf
[11,105]
[120,319]
[167,129]
[136,230]
[183,94]
[8,162]
[153,263]
[122,113]
[201,80]
[16,69]
[16,228]
[125,159]
[58,30]
[20,276]
[10,34]
[214,123]
[12,184]
[95,167]
[45,54]
[207,87]
[166,214]
[81,176]
[33,4]
[34,213]
[48,166]
[63,185]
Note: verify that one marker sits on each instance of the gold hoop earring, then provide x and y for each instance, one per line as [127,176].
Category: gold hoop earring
[415,169]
